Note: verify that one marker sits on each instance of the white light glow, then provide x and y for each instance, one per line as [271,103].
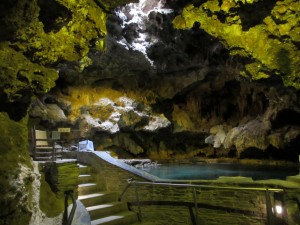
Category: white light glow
[278,209]
[138,14]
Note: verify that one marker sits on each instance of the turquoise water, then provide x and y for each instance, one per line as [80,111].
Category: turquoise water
[213,171]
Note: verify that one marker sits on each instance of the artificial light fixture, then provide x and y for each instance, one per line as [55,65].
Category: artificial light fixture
[278,209]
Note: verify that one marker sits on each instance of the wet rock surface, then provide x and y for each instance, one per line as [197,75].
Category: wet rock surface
[187,88]
[212,79]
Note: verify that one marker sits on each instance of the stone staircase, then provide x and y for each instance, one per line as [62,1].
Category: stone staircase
[102,205]
[47,154]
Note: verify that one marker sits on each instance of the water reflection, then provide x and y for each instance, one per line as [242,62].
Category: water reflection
[213,171]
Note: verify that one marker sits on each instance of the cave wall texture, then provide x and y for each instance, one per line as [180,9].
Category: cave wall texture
[221,78]
[35,37]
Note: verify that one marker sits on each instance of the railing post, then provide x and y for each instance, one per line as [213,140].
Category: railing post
[67,220]
[53,151]
[33,142]
[270,217]
[125,189]
[138,200]
[65,215]
[196,205]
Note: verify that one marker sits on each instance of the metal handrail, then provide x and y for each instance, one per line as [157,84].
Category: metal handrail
[194,186]
[68,220]
[125,189]
[138,200]
[130,181]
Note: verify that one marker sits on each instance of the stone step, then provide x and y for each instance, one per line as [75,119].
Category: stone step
[85,178]
[46,158]
[39,158]
[87,188]
[46,149]
[123,218]
[102,206]
[85,182]
[104,210]
[43,153]
[83,169]
[97,198]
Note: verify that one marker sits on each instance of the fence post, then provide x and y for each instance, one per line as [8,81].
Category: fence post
[138,200]
[53,151]
[196,205]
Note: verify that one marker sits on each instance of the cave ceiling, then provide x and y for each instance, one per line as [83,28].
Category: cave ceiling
[197,64]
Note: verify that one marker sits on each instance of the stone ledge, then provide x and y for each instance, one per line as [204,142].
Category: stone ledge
[295,179]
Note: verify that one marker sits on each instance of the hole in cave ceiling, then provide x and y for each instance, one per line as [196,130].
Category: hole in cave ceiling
[136,25]
[146,27]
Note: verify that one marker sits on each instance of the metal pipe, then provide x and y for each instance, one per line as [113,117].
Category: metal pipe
[53,151]
[138,200]
[208,186]
[196,205]
[270,216]
[125,189]
[67,220]
[71,216]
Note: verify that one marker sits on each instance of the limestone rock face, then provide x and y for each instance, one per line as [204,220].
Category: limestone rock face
[35,37]
[217,80]
[267,36]
[20,79]
[15,176]
[217,136]
[181,79]
[125,114]
[252,134]
[106,115]
[51,112]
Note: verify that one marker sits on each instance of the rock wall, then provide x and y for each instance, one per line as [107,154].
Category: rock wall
[270,39]
[35,37]
[232,119]
[190,101]
[15,177]
[215,90]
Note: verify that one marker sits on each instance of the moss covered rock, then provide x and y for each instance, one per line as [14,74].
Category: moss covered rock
[20,76]
[109,4]
[15,177]
[35,36]
[267,38]
[56,179]
[50,38]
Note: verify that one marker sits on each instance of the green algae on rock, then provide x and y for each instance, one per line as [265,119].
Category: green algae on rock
[270,44]
[19,75]
[15,177]
[70,37]
[56,179]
